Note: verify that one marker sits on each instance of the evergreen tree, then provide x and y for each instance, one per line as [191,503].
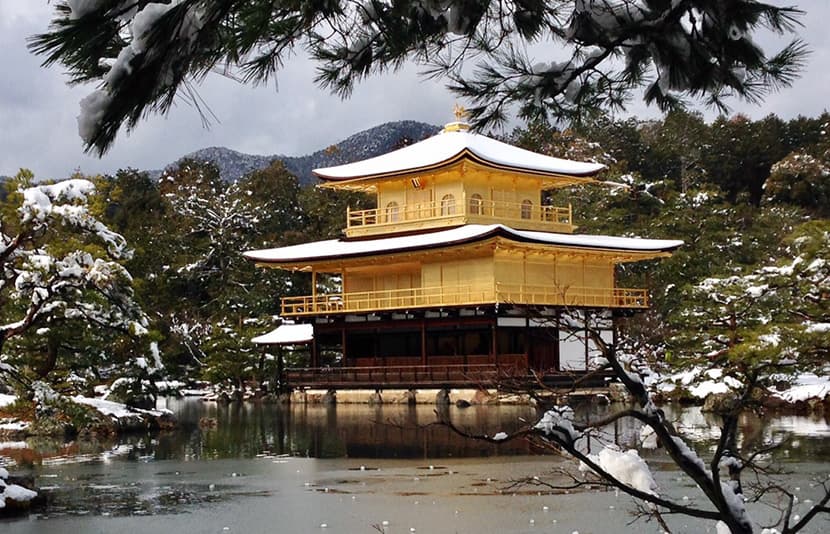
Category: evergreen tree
[801,179]
[68,314]
[144,53]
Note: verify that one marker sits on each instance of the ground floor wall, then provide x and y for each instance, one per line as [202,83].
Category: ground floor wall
[520,338]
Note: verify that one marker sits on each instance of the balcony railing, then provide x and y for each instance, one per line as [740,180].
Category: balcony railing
[445,213]
[463,295]
[453,375]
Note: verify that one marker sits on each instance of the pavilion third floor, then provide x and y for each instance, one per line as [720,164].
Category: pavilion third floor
[454,178]
[465,193]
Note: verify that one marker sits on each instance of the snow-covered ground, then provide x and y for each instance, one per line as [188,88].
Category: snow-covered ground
[806,386]
[700,383]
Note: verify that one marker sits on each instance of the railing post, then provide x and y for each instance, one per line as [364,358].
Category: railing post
[348,216]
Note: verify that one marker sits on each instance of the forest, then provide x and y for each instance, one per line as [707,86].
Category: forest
[134,280]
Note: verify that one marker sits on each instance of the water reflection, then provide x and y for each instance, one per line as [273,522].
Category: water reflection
[213,431]
[320,431]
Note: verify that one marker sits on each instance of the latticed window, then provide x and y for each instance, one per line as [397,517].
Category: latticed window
[527,209]
[392,212]
[476,205]
[448,205]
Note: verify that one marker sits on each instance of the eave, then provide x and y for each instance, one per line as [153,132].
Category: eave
[368,183]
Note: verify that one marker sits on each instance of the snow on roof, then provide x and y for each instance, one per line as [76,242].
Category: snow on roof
[286,334]
[447,147]
[339,248]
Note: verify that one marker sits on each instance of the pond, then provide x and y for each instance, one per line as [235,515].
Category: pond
[356,468]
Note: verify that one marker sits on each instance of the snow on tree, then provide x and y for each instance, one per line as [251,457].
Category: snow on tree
[765,326]
[802,178]
[62,283]
[227,298]
[143,54]
[720,477]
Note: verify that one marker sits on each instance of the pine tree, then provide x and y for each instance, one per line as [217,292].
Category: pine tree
[144,54]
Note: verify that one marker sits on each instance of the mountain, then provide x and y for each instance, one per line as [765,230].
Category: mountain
[366,144]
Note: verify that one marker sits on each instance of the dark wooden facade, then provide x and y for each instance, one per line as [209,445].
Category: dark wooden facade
[461,347]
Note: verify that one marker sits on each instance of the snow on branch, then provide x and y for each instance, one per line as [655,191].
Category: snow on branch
[54,269]
[66,202]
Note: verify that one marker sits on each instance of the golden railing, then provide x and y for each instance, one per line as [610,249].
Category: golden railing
[555,217]
[463,295]
[617,297]
[388,299]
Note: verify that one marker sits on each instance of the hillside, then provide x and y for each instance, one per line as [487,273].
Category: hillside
[366,144]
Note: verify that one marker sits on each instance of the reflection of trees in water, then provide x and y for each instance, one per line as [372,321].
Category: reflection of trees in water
[401,431]
[328,431]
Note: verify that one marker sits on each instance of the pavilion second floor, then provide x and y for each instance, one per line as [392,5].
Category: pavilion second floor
[463,267]
[486,274]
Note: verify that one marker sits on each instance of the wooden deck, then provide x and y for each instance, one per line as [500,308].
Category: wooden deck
[463,295]
[433,376]
[455,212]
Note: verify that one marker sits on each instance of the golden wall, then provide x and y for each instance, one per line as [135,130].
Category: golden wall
[462,183]
[505,267]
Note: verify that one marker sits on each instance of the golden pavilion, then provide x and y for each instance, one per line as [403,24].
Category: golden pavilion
[460,274]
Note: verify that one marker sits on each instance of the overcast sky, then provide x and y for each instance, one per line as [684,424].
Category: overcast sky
[38,128]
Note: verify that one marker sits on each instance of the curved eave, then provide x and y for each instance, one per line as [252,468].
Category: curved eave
[296,263]
[362,182]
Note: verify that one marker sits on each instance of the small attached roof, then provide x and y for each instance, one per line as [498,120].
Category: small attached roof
[286,334]
[470,233]
[451,146]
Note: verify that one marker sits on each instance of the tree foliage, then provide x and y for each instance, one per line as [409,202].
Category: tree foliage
[66,300]
[143,54]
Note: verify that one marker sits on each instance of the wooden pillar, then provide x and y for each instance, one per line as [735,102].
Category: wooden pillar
[314,362]
[423,342]
[314,291]
[527,339]
[345,360]
[282,387]
[376,349]
[494,346]
[557,355]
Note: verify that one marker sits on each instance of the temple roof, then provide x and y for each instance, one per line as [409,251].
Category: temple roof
[449,147]
[287,334]
[471,233]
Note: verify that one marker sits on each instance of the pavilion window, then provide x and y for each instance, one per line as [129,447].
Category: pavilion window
[527,209]
[476,204]
[392,212]
[511,341]
[399,343]
[448,205]
[442,341]
[475,342]
[361,345]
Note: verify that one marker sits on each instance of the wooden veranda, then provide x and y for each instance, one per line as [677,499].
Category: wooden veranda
[436,376]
